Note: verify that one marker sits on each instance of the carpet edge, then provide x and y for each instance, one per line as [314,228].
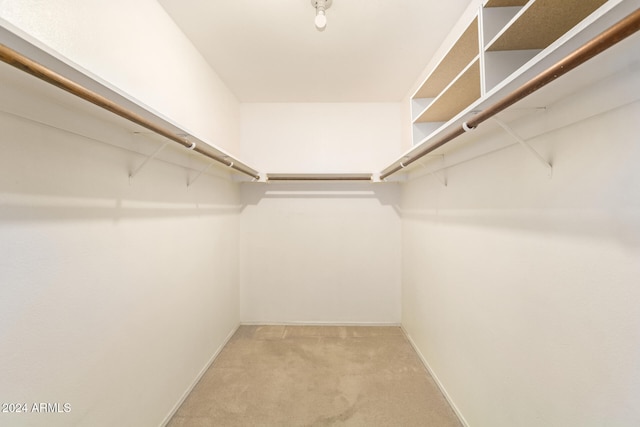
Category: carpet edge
[207,365]
[443,390]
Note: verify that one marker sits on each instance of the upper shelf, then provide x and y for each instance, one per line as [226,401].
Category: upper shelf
[541,22]
[22,53]
[459,56]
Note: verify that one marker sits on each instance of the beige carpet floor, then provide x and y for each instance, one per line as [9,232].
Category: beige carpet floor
[316,376]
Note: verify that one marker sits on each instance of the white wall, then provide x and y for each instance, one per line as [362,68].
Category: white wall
[320,138]
[520,291]
[115,295]
[135,47]
[320,252]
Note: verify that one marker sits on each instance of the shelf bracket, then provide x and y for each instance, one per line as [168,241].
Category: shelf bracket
[441,179]
[147,160]
[198,175]
[528,147]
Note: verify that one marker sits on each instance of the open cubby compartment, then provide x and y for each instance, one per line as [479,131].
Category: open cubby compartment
[459,94]
[418,105]
[465,49]
[501,64]
[494,19]
[422,131]
[541,22]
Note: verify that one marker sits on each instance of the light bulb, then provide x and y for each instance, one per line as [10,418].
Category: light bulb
[321,20]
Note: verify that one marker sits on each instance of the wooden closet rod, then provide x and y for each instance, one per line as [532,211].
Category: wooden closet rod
[597,45]
[25,64]
[318,177]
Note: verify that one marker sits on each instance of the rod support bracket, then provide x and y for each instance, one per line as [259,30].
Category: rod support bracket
[137,170]
[198,175]
[525,145]
[466,127]
[434,173]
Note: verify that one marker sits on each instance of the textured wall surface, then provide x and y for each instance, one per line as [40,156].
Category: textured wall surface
[115,294]
[521,291]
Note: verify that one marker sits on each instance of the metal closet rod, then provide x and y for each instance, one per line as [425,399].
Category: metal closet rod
[27,65]
[616,33]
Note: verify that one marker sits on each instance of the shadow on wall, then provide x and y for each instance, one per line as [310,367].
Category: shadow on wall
[72,213]
[65,159]
[623,227]
[589,137]
[51,174]
[387,194]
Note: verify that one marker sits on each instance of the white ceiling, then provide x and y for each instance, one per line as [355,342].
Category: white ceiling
[270,50]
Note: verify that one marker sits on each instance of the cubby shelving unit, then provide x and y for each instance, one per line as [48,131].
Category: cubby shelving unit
[532,26]
[452,85]
[503,39]
[541,22]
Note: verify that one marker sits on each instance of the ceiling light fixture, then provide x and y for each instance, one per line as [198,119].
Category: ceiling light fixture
[321,18]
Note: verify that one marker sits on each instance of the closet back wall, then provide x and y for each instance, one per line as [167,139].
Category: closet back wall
[314,252]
